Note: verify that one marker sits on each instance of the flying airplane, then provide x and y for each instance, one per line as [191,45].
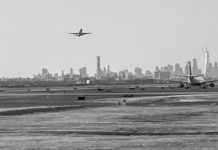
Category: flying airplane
[80,33]
[196,80]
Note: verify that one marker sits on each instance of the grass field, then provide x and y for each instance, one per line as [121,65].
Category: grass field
[59,121]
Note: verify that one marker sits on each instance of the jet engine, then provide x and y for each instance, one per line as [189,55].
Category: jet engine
[212,84]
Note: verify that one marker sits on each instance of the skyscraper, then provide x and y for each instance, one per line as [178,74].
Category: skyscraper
[168,68]
[215,70]
[209,72]
[108,71]
[206,62]
[195,69]
[44,73]
[98,68]
[83,72]
[138,72]
[157,69]
[178,69]
[187,69]
[62,74]
[71,72]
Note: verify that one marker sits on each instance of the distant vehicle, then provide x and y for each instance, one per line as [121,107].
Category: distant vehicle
[80,33]
[196,80]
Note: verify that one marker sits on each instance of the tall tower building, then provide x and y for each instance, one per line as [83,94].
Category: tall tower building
[98,67]
[215,70]
[104,72]
[178,69]
[206,61]
[71,73]
[187,70]
[62,74]
[108,71]
[195,69]
[209,72]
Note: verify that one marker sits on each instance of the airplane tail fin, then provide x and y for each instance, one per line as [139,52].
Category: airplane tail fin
[190,68]
[81,30]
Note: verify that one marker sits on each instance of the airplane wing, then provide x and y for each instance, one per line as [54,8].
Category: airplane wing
[72,33]
[187,76]
[182,81]
[186,82]
[86,33]
[209,81]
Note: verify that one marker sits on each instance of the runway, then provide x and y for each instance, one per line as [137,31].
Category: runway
[148,120]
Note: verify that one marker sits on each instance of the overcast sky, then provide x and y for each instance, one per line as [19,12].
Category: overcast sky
[126,34]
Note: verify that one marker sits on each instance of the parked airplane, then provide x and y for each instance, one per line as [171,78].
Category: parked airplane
[196,80]
[80,33]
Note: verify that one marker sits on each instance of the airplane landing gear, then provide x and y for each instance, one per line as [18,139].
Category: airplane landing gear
[212,84]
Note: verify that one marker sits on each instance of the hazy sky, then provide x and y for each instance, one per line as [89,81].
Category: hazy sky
[126,34]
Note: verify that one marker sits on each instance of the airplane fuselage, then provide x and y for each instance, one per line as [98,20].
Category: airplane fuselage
[80,33]
[196,81]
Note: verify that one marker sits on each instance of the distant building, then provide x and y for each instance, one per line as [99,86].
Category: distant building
[121,75]
[83,72]
[206,62]
[162,68]
[124,75]
[157,69]
[99,72]
[62,74]
[44,73]
[49,76]
[156,74]
[215,70]
[138,72]
[148,74]
[162,75]
[195,69]
[56,76]
[178,70]
[187,69]
[71,71]
[113,74]
[108,71]
[209,71]
[104,73]
[130,76]
[168,68]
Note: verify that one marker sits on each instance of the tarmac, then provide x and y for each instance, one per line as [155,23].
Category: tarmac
[148,120]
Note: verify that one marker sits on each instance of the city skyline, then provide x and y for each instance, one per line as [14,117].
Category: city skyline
[175,68]
[128,34]
[163,72]
[183,64]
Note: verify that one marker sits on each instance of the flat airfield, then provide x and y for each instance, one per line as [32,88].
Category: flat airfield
[154,117]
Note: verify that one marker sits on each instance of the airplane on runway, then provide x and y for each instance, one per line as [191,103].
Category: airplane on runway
[196,80]
[80,33]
